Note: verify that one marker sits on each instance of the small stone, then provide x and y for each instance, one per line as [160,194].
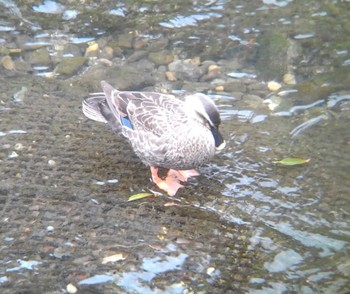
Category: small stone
[113,258]
[185,71]
[107,52]
[50,228]
[7,62]
[71,288]
[13,154]
[19,96]
[124,41]
[105,62]
[219,88]
[70,65]
[273,102]
[210,270]
[112,181]
[273,86]
[19,146]
[213,67]
[196,60]
[161,57]
[170,76]
[213,72]
[289,79]
[39,57]
[92,50]
[51,162]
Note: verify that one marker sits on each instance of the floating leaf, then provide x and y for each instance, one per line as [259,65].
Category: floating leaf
[292,161]
[139,196]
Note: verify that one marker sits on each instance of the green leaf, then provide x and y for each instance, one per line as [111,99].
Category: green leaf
[139,196]
[292,161]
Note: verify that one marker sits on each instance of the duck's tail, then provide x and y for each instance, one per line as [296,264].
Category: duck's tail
[92,107]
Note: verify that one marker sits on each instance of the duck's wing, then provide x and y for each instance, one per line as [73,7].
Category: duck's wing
[155,113]
[148,112]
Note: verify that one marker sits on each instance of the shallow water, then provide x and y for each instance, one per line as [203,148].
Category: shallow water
[247,224]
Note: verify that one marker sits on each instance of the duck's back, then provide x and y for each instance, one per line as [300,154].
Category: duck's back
[161,132]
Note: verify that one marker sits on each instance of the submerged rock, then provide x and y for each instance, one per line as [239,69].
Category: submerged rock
[185,71]
[70,65]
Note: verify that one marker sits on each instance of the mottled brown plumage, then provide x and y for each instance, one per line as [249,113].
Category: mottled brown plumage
[162,130]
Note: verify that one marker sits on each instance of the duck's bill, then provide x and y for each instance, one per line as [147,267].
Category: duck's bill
[221,146]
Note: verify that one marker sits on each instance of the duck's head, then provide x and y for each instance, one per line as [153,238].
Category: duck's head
[204,110]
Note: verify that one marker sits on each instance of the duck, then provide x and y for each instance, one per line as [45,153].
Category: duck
[165,132]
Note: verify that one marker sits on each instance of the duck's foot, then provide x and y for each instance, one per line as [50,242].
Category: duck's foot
[170,184]
[173,180]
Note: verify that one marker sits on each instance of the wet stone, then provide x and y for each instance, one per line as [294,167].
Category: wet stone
[39,57]
[70,65]
[123,41]
[161,57]
[71,50]
[185,71]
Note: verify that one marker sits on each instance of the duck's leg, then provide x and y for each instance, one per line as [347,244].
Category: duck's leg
[170,184]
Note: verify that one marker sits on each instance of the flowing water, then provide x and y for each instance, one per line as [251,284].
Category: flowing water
[250,223]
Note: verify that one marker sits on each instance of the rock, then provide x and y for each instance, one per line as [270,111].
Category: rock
[134,76]
[234,86]
[7,62]
[71,50]
[170,76]
[213,73]
[161,57]
[289,79]
[158,44]
[185,71]
[137,55]
[22,66]
[272,58]
[92,50]
[39,57]
[70,65]
[273,86]
[124,41]
[107,53]
[71,289]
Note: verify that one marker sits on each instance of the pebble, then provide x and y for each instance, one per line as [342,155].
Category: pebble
[92,50]
[219,88]
[13,154]
[20,95]
[161,57]
[19,146]
[7,62]
[39,57]
[51,162]
[170,76]
[289,79]
[107,52]
[273,102]
[50,228]
[273,86]
[71,288]
[210,270]
[70,65]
